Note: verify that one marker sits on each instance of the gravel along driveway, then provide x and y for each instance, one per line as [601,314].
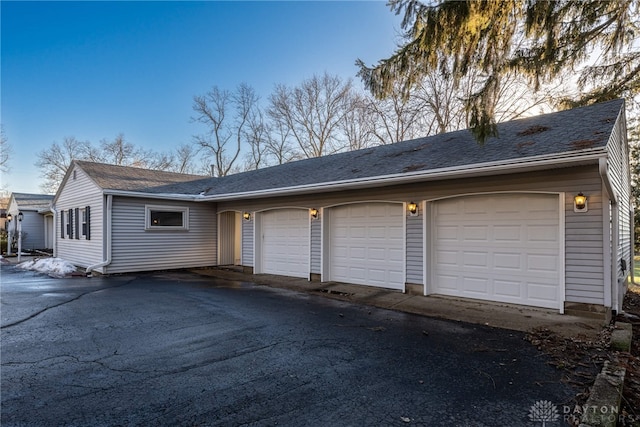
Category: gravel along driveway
[181,349]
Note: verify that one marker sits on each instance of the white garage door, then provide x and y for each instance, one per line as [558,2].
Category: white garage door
[285,242]
[500,247]
[367,244]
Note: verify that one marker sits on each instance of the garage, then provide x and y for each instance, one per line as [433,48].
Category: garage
[503,247]
[285,242]
[366,242]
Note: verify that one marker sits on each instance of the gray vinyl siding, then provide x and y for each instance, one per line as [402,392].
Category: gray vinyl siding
[32,226]
[584,275]
[316,245]
[32,230]
[226,237]
[415,244]
[618,164]
[79,193]
[137,249]
[247,242]
[584,263]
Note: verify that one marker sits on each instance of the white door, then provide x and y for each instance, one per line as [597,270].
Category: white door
[367,244]
[285,242]
[498,247]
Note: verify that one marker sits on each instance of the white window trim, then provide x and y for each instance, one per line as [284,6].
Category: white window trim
[165,208]
[67,224]
[82,219]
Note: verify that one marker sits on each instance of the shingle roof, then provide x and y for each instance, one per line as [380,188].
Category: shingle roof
[580,130]
[28,201]
[576,130]
[113,177]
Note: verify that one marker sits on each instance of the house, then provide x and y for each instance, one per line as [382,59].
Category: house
[539,215]
[37,220]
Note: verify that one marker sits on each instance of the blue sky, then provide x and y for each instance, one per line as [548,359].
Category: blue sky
[95,69]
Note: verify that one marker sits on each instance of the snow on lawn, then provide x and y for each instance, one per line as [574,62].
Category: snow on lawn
[52,266]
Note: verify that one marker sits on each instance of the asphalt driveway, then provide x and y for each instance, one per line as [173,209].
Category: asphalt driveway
[182,349]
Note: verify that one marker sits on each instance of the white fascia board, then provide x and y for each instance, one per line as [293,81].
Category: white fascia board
[527,164]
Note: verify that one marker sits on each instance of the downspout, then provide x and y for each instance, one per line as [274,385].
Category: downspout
[107,260]
[55,230]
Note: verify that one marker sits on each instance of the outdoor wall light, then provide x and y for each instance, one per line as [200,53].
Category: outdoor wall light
[580,203]
[20,216]
[413,208]
[314,213]
[9,217]
[246,216]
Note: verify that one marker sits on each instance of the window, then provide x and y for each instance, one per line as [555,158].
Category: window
[83,222]
[166,218]
[68,222]
[76,223]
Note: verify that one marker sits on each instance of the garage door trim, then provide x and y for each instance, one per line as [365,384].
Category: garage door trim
[429,244]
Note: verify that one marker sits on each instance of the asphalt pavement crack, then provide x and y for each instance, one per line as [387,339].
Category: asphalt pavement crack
[39,312]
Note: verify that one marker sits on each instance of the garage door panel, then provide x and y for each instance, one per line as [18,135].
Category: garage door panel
[495,248]
[475,285]
[474,233]
[285,242]
[507,261]
[475,259]
[542,233]
[367,244]
[507,233]
[542,264]
[507,288]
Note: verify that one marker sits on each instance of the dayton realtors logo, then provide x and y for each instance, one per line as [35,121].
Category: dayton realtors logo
[544,411]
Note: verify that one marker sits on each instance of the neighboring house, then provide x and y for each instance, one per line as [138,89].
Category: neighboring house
[501,221]
[37,219]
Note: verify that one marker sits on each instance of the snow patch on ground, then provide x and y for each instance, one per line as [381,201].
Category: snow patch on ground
[51,266]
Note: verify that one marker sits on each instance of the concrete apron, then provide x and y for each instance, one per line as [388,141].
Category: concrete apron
[500,315]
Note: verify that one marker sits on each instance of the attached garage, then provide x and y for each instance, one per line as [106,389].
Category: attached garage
[284,242]
[366,244]
[501,247]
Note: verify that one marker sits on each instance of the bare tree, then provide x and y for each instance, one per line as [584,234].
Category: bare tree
[54,161]
[256,134]
[359,123]
[278,145]
[313,112]
[225,116]
[184,158]
[398,118]
[5,151]
[123,153]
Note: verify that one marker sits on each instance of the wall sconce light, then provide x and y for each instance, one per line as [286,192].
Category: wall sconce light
[20,216]
[580,203]
[413,208]
[9,217]
[246,216]
[314,213]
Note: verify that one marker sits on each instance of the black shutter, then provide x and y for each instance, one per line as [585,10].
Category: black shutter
[70,225]
[88,211]
[78,219]
[62,230]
